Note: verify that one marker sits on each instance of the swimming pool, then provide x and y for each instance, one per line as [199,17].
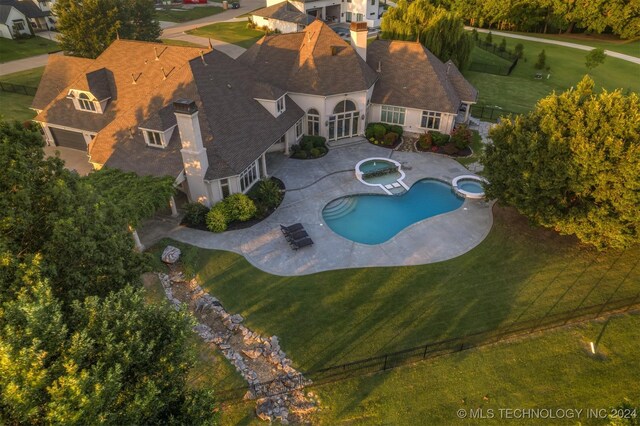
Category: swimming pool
[374,219]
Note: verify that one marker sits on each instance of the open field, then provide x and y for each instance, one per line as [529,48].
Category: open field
[520,91]
[230,32]
[10,50]
[178,14]
[15,106]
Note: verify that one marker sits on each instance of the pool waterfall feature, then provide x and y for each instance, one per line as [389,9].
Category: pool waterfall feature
[384,173]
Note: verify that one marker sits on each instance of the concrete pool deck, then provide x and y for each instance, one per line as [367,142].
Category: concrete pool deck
[311,184]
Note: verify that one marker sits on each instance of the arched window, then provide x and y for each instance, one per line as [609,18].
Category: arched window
[85,102]
[313,122]
[344,106]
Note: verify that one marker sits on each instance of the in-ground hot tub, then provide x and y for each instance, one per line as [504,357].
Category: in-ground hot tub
[469,186]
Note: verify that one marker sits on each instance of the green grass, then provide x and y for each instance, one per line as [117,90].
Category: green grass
[628,47]
[520,91]
[10,50]
[172,42]
[191,14]
[477,148]
[518,273]
[211,369]
[551,370]
[230,32]
[14,106]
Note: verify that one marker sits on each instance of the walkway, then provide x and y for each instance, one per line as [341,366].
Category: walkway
[432,240]
[611,53]
[24,64]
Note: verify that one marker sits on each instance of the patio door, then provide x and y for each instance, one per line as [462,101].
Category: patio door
[344,122]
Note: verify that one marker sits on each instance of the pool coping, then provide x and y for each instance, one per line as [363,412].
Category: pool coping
[381,186]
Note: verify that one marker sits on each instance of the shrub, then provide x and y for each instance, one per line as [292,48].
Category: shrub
[319,142]
[390,138]
[519,50]
[488,38]
[239,207]
[368,133]
[295,148]
[438,138]
[323,150]
[461,136]
[217,218]
[269,194]
[300,154]
[306,144]
[396,129]
[542,61]
[195,214]
[425,141]
[450,148]
[315,152]
[379,131]
[503,45]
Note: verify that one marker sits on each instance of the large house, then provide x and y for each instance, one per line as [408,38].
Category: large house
[208,120]
[294,15]
[21,17]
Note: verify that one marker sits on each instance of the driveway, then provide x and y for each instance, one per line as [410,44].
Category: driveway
[323,180]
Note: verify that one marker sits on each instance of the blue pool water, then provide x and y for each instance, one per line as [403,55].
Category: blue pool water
[471,186]
[374,219]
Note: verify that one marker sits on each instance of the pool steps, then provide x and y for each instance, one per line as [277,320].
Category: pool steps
[339,208]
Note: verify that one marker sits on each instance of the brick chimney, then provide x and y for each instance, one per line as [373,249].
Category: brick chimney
[359,38]
[194,154]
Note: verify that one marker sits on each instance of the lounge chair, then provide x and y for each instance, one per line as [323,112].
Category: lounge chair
[291,229]
[298,235]
[301,243]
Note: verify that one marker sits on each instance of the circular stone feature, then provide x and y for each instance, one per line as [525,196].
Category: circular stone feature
[469,186]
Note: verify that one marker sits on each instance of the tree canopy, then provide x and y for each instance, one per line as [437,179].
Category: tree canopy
[573,164]
[439,30]
[88,27]
[78,345]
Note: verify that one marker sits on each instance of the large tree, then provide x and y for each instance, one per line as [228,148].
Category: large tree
[439,30]
[87,27]
[573,164]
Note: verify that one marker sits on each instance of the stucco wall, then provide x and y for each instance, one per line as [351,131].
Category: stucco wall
[275,24]
[413,118]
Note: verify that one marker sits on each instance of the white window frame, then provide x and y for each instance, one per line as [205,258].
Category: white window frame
[85,103]
[431,120]
[224,183]
[393,115]
[299,130]
[312,120]
[280,105]
[249,176]
[154,138]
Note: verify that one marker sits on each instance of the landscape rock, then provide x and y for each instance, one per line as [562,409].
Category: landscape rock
[170,255]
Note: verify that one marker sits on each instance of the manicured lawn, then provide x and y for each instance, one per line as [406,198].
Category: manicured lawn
[520,91]
[230,32]
[10,50]
[211,368]
[179,14]
[518,273]
[14,106]
[172,42]
[553,370]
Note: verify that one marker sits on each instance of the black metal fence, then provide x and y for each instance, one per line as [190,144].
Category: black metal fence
[431,350]
[498,69]
[488,112]
[17,88]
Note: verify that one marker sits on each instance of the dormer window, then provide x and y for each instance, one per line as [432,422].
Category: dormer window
[85,103]
[280,106]
[153,138]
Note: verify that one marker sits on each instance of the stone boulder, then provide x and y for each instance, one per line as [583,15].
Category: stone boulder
[170,254]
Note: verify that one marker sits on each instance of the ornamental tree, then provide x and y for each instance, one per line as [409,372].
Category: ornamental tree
[594,58]
[573,164]
[88,27]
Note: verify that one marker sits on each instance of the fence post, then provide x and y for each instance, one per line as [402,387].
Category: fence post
[24,89]
[424,355]
[462,346]
[385,362]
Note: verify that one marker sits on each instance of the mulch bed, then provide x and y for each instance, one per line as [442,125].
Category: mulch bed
[440,150]
[398,142]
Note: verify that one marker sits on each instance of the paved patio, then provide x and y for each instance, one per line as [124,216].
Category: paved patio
[311,184]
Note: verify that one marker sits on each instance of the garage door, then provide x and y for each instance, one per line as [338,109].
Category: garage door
[68,139]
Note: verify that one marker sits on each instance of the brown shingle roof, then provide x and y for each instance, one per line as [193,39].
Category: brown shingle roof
[284,12]
[58,74]
[465,90]
[412,77]
[315,61]
[99,83]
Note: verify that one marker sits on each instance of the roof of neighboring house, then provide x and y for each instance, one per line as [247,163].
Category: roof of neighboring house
[314,61]
[26,7]
[235,128]
[412,77]
[284,12]
[58,74]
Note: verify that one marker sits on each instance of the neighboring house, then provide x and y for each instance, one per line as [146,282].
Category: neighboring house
[208,120]
[291,15]
[21,17]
